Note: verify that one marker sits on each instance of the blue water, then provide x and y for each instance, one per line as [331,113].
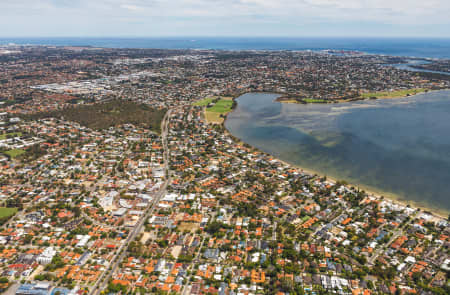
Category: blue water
[397,146]
[410,63]
[424,47]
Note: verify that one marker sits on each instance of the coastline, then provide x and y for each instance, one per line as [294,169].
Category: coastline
[370,191]
[415,91]
[374,192]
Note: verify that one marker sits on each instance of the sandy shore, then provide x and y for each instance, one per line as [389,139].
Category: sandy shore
[370,191]
[375,193]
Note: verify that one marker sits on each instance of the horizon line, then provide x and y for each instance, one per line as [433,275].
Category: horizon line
[231,36]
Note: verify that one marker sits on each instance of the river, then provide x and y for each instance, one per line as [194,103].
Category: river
[397,147]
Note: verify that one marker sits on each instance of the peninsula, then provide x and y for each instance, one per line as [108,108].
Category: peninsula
[117,176]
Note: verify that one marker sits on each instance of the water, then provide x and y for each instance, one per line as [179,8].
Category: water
[414,47]
[397,146]
[409,66]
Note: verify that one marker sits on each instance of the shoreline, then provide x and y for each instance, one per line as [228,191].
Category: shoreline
[370,191]
[287,99]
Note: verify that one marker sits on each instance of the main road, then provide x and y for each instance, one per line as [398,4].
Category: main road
[103,280]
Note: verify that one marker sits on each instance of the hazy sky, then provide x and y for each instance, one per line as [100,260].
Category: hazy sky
[408,18]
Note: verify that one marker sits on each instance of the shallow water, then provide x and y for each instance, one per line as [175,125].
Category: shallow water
[398,146]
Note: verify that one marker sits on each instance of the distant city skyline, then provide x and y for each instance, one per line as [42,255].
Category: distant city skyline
[258,18]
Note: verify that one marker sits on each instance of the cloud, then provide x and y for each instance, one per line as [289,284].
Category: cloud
[155,13]
[131,7]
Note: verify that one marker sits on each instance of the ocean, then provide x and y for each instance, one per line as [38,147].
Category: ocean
[411,47]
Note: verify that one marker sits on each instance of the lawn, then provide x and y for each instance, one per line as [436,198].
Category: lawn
[204,102]
[314,100]
[14,153]
[306,218]
[7,212]
[13,134]
[393,94]
[215,113]
[223,106]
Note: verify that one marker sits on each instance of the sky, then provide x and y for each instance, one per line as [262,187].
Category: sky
[258,18]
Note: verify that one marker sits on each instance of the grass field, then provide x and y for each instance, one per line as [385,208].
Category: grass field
[13,134]
[7,212]
[204,102]
[15,153]
[392,94]
[314,100]
[214,114]
[188,226]
[212,117]
[222,107]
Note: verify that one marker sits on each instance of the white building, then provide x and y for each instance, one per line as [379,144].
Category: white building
[82,240]
[46,256]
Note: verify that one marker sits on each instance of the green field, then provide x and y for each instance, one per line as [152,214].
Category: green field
[204,102]
[393,94]
[13,134]
[313,100]
[222,106]
[215,113]
[14,153]
[7,212]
